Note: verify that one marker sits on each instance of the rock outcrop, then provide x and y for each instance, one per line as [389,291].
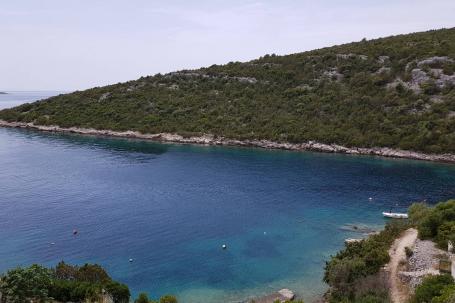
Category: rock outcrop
[282,295]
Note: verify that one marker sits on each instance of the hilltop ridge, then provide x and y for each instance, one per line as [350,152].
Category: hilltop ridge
[395,92]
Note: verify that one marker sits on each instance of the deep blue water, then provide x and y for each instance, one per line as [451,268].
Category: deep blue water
[171,207]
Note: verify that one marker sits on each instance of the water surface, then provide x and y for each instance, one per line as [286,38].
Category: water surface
[171,207]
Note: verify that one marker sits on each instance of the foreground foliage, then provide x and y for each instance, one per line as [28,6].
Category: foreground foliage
[384,92]
[21,284]
[435,289]
[144,298]
[64,283]
[435,223]
[354,273]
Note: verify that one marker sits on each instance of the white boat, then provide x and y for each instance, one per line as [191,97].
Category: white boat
[395,215]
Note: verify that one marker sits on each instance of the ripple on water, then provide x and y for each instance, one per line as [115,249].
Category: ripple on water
[170,207]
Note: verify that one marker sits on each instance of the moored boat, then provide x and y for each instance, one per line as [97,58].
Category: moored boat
[395,215]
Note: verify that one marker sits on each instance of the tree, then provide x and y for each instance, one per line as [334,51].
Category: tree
[168,299]
[417,212]
[23,284]
[65,271]
[142,298]
[92,273]
[120,292]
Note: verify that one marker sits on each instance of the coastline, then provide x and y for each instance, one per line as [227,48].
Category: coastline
[266,144]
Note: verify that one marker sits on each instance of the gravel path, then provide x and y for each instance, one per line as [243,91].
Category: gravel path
[397,253]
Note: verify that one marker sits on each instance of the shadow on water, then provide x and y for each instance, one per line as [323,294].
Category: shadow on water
[119,146]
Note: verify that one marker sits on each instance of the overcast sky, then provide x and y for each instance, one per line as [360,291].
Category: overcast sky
[69,44]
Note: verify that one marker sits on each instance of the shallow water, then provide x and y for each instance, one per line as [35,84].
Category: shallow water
[171,207]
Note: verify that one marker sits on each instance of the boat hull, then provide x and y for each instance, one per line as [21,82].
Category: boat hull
[395,215]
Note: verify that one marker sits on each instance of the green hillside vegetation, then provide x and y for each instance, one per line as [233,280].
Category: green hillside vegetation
[353,274]
[64,283]
[391,92]
[435,223]
[435,289]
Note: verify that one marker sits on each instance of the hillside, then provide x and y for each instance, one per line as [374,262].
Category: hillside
[392,92]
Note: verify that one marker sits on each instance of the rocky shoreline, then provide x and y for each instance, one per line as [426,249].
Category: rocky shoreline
[216,140]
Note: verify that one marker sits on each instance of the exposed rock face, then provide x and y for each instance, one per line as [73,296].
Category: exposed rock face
[104,96]
[419,75]
[423,262]
[434,60]
[333,74]
[351,56]
[383,70]
[188,74]
[287,294]
[282,295]
[209,139]
[383,59]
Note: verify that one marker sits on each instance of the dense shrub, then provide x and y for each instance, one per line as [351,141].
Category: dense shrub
[20,284]
[168,299]
[119,292]
[436,223]
[360,261]
[142,298]
[65,283]
[434,289]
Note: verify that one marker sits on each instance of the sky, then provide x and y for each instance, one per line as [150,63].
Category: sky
[78,44]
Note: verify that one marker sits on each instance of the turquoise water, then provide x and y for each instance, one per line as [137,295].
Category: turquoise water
[171,207]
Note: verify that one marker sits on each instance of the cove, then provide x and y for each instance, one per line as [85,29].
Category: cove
[170,208]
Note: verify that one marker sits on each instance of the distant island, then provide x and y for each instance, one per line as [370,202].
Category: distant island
[3,93]
[391,93]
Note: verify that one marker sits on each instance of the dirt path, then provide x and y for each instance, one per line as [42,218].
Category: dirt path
[397,253]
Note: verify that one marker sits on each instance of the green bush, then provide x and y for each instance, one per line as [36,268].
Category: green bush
[142,298]
[119,292]
[22,284]
[168,299]
[431,288]
[447,295]
[64,283]
[360,260]
[436,223]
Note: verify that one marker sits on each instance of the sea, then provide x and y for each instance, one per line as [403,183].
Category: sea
[155,216]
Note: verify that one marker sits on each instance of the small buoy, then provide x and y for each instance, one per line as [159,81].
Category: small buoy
[223,246]
[130,260]
[370,198]
[75,231]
